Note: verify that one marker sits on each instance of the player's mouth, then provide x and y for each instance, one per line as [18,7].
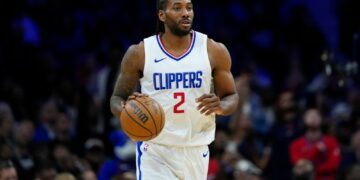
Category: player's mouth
[185,23]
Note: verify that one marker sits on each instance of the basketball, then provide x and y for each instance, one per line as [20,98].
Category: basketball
[142,118]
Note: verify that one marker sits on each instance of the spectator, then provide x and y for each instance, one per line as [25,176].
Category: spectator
[6,121]
[65,176]
[251,104]
[350,157]
[63,131]
[122,161]
[246,143]
[321,150]
[62,128]
[88,175]
[246,170]
[221,160]
[45,129]
[22,149]
[65,160]
[285,130]
[6,150]
[7,171]
[94,153]
[304,169]
[45,171]
[125,176]
[353,173]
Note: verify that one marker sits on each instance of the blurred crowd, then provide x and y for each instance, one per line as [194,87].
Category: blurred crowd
[295,64]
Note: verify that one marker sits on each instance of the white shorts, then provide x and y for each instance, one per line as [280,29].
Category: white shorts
[160,162]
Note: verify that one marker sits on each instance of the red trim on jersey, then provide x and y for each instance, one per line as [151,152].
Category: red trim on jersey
[184,52]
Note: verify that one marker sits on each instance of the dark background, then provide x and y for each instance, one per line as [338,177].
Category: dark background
[61,57]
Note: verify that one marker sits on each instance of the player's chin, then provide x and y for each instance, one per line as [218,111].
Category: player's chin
[186,31]
[186,28]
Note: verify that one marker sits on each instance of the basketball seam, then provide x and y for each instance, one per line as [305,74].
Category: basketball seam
[163,124]
[150,115]
[151,134]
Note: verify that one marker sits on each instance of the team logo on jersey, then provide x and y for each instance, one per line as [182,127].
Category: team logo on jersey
[186,80]
[159,60]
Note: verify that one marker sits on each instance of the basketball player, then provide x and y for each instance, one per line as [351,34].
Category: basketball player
[178,67]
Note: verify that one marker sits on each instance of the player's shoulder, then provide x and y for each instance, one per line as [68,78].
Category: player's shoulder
[219,55]
[134,56]
[215,46]
[136,48]
[136,51]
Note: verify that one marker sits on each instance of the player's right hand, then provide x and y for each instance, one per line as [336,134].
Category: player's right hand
[135,95]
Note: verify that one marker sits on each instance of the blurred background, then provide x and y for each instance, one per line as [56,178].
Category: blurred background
[296,64]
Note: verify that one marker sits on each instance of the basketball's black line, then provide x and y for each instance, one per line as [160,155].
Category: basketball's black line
[137,122]
[150,115]
[161,115]
[159,107]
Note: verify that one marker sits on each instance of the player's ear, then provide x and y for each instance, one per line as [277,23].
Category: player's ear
[161,15]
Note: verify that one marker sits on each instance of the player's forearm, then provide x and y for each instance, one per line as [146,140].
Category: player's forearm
[229,104]
[115,105]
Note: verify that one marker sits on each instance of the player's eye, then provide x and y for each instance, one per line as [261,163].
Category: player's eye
[189,8]
[177,8]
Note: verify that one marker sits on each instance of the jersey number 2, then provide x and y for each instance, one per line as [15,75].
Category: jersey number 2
[178,95]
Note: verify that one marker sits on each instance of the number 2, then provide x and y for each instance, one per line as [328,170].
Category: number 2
[178,95]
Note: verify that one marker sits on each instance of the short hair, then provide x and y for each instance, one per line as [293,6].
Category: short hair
[161,5]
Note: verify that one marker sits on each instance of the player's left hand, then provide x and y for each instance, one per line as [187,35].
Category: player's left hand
[209,103]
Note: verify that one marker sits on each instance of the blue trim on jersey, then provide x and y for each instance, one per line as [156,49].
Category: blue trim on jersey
[139,158]
[182,56]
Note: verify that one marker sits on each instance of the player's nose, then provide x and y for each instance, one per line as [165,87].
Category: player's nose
[185,13]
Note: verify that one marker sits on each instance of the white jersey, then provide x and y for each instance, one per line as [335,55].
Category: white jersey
[176,82]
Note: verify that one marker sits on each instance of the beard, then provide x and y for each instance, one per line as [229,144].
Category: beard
[176,30]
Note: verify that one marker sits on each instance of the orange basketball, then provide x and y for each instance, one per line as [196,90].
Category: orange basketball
[142,119]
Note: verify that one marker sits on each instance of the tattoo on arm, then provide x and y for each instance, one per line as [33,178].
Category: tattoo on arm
[127,80]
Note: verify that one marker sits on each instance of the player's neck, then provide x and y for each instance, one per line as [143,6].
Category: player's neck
[174,42]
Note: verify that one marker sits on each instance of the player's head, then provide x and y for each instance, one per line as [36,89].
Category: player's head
[175,16]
